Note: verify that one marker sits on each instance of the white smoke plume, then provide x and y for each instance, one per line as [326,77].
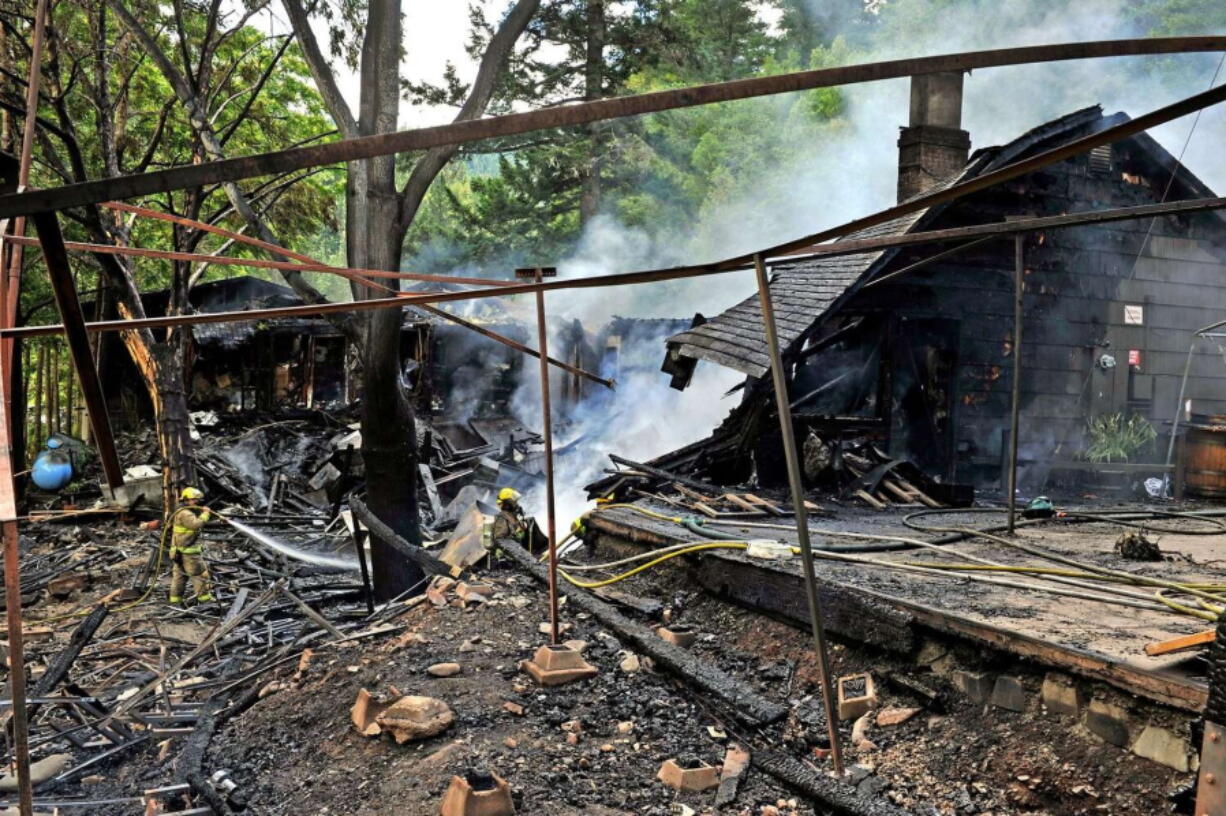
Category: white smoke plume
[833,173]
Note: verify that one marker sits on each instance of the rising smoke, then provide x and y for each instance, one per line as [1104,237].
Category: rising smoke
[833,172]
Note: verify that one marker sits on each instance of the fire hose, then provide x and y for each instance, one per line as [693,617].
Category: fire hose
[1105,584]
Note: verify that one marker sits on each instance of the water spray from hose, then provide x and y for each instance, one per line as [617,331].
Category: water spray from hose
[278,546]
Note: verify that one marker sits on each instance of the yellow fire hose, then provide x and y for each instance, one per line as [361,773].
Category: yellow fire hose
[1204,594]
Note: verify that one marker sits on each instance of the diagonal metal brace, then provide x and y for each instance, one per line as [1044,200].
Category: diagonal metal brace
[69,306]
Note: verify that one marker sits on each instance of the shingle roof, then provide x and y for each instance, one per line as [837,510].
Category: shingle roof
[803,290]
[800,291]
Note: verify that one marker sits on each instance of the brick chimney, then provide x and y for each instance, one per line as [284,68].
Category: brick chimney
[933,145]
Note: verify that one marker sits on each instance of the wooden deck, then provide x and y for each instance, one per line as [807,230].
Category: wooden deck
[893,608]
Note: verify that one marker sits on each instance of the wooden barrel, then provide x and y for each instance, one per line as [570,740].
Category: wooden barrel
[1205,453]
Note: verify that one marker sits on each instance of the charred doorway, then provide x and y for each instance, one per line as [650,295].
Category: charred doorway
[922,366]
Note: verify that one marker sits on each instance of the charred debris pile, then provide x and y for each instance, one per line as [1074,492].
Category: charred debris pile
[117,673]
[844,470]
[301,465]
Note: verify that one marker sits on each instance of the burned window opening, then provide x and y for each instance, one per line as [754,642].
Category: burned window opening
[842,378]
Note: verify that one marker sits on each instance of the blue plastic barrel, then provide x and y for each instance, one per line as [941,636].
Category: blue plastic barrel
[52,469]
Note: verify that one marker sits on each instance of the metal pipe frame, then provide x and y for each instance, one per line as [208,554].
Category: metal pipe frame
[53,200]
[311,265]
[801,513]
[12,603]
[1014,227]
[457,133]
[551,528]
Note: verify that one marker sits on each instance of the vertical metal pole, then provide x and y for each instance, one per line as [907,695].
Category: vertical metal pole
[802,515]
[12,602]
[10,278]
[1183,384]
[1019,293]
[547,421]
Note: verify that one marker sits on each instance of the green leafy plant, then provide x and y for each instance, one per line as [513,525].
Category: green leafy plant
[1119,438]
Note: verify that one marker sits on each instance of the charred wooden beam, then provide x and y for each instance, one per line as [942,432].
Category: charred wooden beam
[62,664]
[667,476]
[749,707]
[418,555]
[237,169]
[838,795]
[781,594]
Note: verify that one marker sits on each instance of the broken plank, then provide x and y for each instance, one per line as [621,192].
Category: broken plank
[899,493]
[693,495]
[919,494]
[743,503]
[870,499]
[771,507]
[1180,643]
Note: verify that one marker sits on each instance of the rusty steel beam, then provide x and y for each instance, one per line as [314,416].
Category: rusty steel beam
[1020,168]
[10,278]
[800,512]
[310,265]
[1002,229]
[244,167]
[931,259]
[265,263]
[12,601]
[647,276]
[518,346]
[48,227]
[846,247]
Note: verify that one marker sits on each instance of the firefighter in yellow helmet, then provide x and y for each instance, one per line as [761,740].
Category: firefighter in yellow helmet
[185,550]
[512,523]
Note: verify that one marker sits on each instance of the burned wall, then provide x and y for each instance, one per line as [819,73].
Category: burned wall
[1083,352]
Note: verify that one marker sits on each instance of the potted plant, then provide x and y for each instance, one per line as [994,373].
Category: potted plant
[1113,438]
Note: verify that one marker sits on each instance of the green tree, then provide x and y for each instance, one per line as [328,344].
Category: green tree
[106,111]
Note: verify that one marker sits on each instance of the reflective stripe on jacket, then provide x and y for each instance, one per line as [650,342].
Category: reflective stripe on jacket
[186,524]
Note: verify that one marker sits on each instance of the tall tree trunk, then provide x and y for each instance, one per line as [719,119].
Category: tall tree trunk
[389,438]
[593,87]
[174,424]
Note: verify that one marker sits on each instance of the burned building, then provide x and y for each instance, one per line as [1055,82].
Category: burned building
[921,363]
[307,361]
